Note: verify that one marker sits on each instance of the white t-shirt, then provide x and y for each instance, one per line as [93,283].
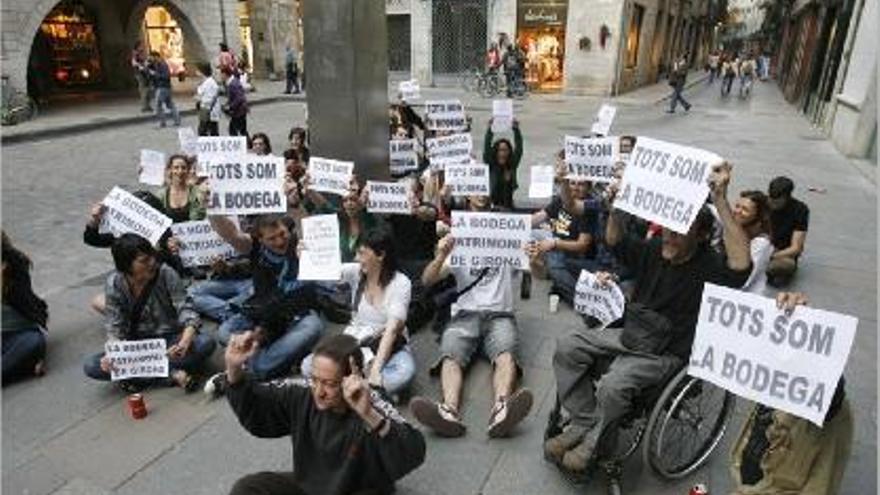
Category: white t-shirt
[368,320]
[493,293]
[762,250]
[208,92]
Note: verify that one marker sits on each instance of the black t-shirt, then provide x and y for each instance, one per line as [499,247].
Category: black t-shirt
[795,215]
[414,239]
[569,227]
[675,291]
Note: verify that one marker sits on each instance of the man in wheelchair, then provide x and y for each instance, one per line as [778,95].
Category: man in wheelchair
[600,374]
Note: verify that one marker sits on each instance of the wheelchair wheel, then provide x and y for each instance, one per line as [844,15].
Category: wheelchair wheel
[687,423]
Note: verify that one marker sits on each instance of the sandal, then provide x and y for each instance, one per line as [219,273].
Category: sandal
[508,412]
[184,380]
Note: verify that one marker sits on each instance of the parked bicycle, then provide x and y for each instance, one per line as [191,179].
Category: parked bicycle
[495,84]
[15,106]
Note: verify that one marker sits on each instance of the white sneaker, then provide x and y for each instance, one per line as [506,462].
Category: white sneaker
[215,387]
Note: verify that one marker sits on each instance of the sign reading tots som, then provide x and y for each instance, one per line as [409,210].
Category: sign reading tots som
[746,345]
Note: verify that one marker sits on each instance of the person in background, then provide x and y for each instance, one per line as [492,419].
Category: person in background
[145,300]
[207,100]
[789,219]
[747,70]
[677,79]
[236,106]
[714,64]
[142,76]
[779,453]
[298,138]
[226,60]
[180,199]
[260,144]
[729,67]
[346,439]
[160,76]
[25,316]
[291,70]
[503,160]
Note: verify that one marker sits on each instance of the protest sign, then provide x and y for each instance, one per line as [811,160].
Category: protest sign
[446,115]
[666,183]
[471,179]
[126,213]
[591,159]
[604,119]
[502,115]
[321,258]
[605,303]
[403,156]
[387,197]
[200,244]
[146,358]
[490,240]
[330,176]
[212,147]
[189,141]
[746,345]
[449,150]
[541,181]
[409,90]
[246,185]
[152,167]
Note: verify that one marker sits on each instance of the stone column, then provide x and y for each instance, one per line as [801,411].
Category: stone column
[421,32]
[346,59]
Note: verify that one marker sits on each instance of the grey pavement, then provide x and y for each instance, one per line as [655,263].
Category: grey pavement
[65,434]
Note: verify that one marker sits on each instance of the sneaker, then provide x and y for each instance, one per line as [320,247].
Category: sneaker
[525,290]
[508,413]
[578,459]
[438,417]
[556,447]
[215,387]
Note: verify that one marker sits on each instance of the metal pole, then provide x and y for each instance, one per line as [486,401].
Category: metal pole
[222,21]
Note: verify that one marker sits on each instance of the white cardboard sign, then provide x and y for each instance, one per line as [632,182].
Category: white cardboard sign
[541,181]
[666,183]
[152,167]
[189,141]
[321,257]
[449,150]
[471,179]
[146,358]
[388,197]
[591,298]
[604,119]
[212,147]
[445,115]
[592,159]
[246,185]
[502,115]
[330,176]
[200,244]
[746,345]
[403,156]
[491,240]
[126,213]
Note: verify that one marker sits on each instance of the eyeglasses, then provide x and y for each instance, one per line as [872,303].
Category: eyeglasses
[314,382]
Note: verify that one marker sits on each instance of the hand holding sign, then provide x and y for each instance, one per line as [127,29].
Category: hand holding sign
[719,179]
[598,296]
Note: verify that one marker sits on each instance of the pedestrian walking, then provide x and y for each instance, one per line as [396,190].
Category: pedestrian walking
[142,76]
[747,70]
[236,106]
[291,71]
[207,101]
[160,76]
[728,71]
[713,63]
[677,78]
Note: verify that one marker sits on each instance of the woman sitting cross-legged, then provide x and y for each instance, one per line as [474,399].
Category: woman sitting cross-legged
[147,300]
[380,300]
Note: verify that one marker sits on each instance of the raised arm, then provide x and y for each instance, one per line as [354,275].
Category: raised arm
[226,229]
[435,272]
[487,143]
[517,144]
[736,242]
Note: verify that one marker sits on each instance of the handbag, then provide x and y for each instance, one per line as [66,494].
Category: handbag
[205,113]
[645,330]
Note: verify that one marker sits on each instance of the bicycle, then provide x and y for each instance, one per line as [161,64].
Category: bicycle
[493,84]
[15,106]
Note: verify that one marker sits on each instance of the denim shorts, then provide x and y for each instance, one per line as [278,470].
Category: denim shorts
[469,331]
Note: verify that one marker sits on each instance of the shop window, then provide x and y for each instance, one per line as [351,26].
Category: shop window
[70,34]
[164,36]
[632,36]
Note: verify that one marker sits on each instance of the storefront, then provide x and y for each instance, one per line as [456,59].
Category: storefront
[246,34]
[162,34]
[540,31]
[66,47]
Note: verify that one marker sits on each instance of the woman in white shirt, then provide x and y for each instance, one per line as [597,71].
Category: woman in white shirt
[752,213]
[208,96]
[380,298]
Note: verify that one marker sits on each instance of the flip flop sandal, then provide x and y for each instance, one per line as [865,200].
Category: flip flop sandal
[428,413]
[516,408]
[184,380]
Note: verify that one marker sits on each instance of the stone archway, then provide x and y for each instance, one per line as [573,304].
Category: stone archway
[194,48]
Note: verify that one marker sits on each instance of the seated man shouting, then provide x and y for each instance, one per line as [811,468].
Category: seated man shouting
[345,439]
[599,374]
[482,318]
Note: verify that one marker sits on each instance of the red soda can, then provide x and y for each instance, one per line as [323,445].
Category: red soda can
[136,406]
[699,489]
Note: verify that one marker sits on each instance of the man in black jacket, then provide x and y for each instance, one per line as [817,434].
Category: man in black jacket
[335,416]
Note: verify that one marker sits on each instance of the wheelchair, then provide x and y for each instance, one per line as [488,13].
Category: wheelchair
[678,425]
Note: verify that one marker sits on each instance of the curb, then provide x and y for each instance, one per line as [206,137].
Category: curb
[103,123]
[687,86]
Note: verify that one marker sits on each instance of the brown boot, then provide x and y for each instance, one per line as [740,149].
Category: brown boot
[577,460]
[556,447]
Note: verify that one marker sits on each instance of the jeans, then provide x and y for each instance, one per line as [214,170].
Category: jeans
[745,84]
[216,298]
[144,91]
[292,80]
[276,359]
[676,97]
[201,349]
[726,84]
[238,126]
[397,374]
[210,128]
[163,97]
[564,270]
[22,349]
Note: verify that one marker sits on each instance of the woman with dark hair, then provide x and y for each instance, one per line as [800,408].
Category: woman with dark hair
[260,144]
[24,317]
[299,141]
[147,300]
[752,213]
[503,160]
[180,199]
[354,222]
[380,299]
